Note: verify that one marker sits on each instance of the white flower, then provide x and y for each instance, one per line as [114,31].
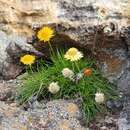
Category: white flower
[79,75]
[67,73]
[107,30]
[54,87]
[99,97]
[73,54]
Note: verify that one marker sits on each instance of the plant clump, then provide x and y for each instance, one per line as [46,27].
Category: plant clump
[71,76]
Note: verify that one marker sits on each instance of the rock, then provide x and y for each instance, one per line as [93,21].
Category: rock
[7,91]
[124,120]
[110,104]
[11,48]
[105,122]
[76,24]
[104,128]
[55,116]
[115,105]
[110,52]
[18,16]
[124,83]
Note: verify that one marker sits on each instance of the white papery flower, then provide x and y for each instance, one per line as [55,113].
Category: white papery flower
[73,54]
[67,73]
[99,97]
[54,87]
[107,30]
[79,75]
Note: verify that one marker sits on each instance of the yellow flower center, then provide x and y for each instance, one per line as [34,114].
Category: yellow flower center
[73,54]
[72,51]
[27,59]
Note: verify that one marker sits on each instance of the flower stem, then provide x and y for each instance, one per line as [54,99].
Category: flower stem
[76,64]
[73,66]
[30,66]
[51,47]
[38,93]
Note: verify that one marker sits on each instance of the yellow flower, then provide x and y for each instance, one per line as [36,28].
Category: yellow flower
[24,128]
[45,34]
[28,59]
[73,54]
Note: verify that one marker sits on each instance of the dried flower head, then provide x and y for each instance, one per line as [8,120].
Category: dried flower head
[102,12]
[45,34]
[54,87]
[107,30]
[67,73]
[28,59]
[88,72]
[99,97]
[78,77]
[73,54]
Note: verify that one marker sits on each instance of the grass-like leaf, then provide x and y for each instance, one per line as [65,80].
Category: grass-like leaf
[36,84]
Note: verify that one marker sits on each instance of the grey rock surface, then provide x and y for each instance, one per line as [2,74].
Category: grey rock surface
[18,16]
[55,115]
[11,48]
[124,120]
[124,83]
[74,18]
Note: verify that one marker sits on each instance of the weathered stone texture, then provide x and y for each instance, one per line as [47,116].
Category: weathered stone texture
[75,20]
[51,116]
[19,16]
[11,47]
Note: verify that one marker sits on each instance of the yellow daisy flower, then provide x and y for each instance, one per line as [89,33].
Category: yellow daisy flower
[73,54]
[28,59]
[45,34]
[24,128]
